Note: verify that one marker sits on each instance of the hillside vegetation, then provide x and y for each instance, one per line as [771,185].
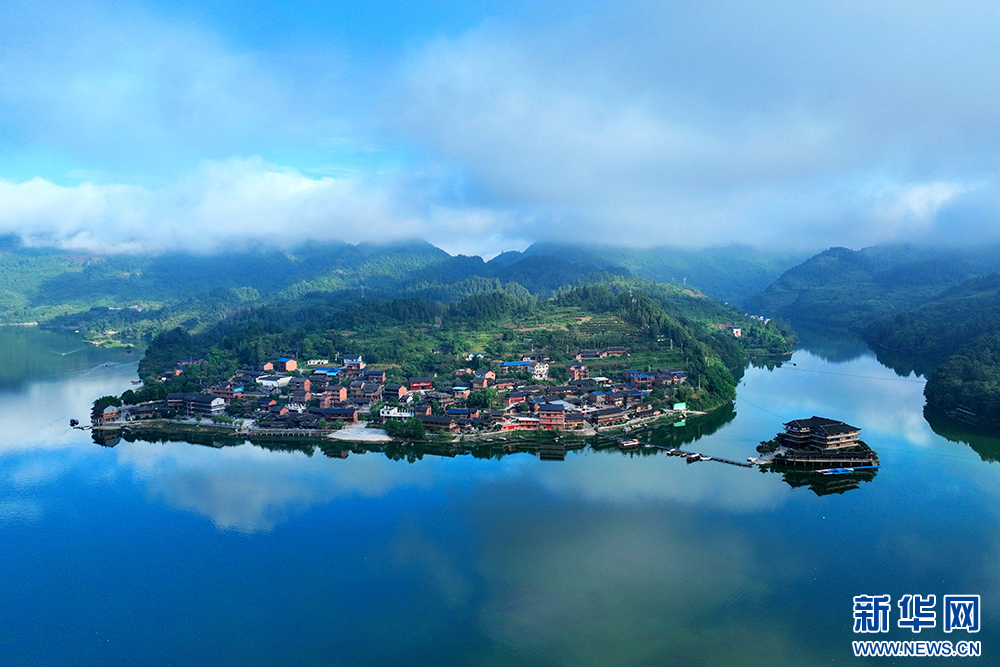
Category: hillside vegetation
[848,289]
[730,273]
[969,381]
[416,336]
[958,335]
[139,295]
[936,329]
[932,310]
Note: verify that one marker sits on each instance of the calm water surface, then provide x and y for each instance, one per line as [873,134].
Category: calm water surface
[179,554]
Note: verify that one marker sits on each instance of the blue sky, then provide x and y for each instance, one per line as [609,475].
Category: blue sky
[485,126]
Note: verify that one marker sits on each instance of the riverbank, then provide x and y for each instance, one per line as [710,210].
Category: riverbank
[360,433]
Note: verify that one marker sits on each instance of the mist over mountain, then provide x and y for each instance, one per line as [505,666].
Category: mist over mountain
[932,311]
[37,284]
[850,288]
[732,273]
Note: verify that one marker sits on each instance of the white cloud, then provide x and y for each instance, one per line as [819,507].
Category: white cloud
[230,204]
[918,204]
[668,123]
[713,124]
[135,94]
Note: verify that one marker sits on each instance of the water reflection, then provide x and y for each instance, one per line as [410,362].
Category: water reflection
[436,554]
[836,346]
[254,488]
[238,486]
[861,392]
[249,493]
[983,440]
[824,485]
[251,489]
[37,414]
[28,354]
[606,586]
[694,429]
[905,364]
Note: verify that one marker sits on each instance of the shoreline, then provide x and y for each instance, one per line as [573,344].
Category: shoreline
[361,433]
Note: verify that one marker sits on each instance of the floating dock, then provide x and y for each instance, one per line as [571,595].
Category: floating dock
[691,457]
[856,459]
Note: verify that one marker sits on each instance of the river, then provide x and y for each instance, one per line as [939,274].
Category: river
[180,554]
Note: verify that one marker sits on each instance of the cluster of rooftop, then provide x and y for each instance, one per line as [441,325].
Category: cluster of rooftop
[280,394]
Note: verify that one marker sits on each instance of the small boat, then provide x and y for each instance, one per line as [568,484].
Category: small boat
[74,422]
[693,458]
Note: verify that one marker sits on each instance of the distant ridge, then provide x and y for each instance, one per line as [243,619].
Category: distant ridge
[846,288]
[39,284]
[733,273]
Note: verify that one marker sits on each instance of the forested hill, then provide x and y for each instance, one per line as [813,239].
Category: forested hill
[957,334]
[39,283]
[936,329]
[661,325]
[731,273]
[146,293]
[135,295]
[849,288]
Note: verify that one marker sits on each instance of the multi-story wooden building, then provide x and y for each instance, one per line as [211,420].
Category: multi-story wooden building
[421,384]
[353,363]
[820,433]
[551,416]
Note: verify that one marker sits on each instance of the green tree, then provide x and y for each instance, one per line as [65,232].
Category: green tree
[108,400]
[483,399]
[412,429]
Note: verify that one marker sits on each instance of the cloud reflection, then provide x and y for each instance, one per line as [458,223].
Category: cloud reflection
[623,480]
[18,510]
[37,416]
[249,489]
[616,586]
[868,394]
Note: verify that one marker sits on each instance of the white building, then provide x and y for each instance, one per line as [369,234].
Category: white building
[394,412]
[274,381]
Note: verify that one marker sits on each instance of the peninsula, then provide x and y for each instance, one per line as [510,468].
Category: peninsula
[592,357]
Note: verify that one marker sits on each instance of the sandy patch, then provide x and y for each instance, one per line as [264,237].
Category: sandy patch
[360,433]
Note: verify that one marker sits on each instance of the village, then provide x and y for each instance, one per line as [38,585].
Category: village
[291,396]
